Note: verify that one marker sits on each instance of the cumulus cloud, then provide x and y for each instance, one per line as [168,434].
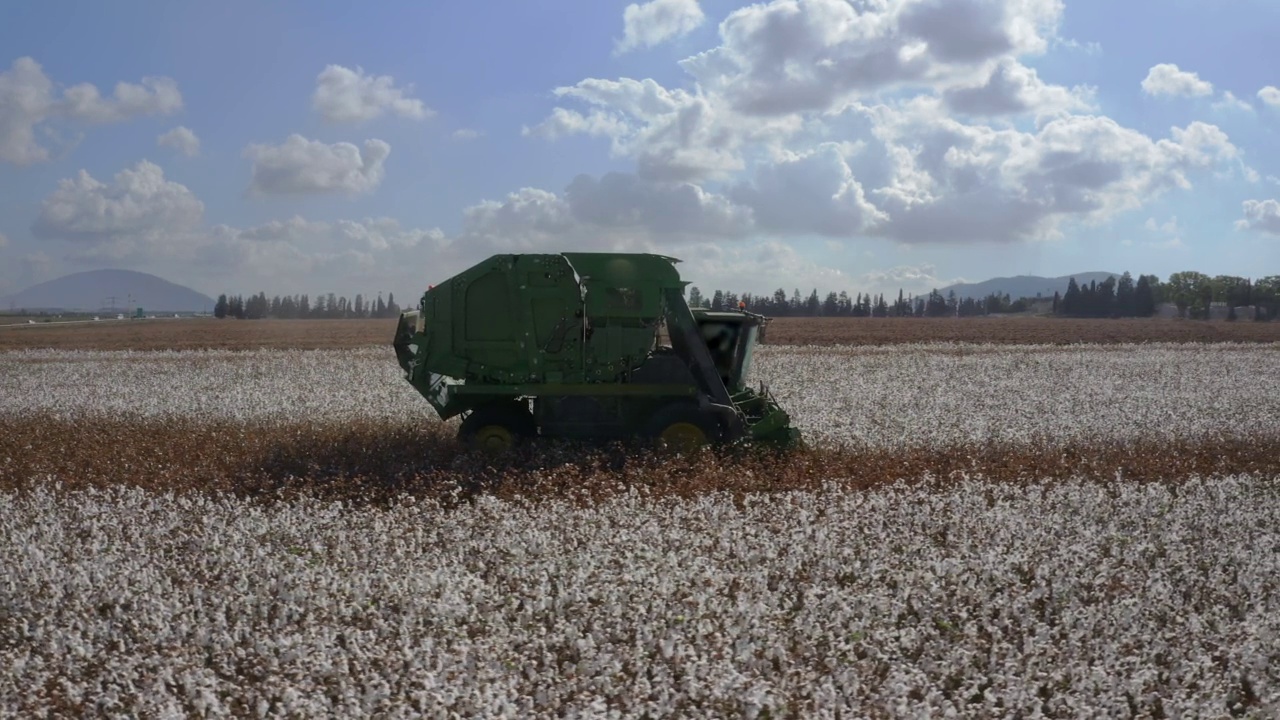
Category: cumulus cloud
[757,267]
[810,192]
[1270,95]
[1167,79]
[564,122]
[854,119]
[1230,102]
[466,134]
[781,60]
[911,279]
[948,181]
[1013,88]
[343,95]
[298,252]
[526,220]
[28,100]
[794,55]
[656,22]
[616,212]
[672,134]
[154,96]
[1261,216]
[181,139]
[302,166]
[669,210]
[139,210]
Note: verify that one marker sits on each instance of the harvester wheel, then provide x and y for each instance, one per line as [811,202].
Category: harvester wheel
[683,427]
[497,428]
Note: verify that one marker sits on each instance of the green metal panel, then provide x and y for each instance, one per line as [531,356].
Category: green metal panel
[571,324]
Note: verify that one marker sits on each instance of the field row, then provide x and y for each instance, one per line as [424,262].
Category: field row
[1068,599]
[900,397]
[209,333]
[372,463]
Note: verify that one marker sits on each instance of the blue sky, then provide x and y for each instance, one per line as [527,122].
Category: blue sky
[798,143]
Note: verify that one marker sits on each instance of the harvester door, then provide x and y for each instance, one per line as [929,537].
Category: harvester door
[549,290]
[488,332]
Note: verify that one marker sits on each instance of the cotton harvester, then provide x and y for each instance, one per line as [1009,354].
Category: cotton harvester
[585,346]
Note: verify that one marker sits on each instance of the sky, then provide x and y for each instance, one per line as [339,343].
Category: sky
[859,145]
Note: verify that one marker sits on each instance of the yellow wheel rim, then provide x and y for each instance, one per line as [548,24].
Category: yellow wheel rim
[684,436]
[493,438]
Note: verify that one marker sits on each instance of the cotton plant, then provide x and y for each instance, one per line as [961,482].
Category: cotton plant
[1075,596]
[1067,598]
[895,397]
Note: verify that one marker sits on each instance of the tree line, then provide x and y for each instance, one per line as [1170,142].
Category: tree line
[1193,294]
[841,304]
[330,306]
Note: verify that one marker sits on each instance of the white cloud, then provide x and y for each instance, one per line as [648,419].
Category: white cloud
[793,55]
[563,122]
[302,166]
[672,211]
[946,181]
[138,211]
[1270,95]
[1169,227]
[787,57]
[758,267]
[672,134]
[343,95]
[1230,102]
[1167,79]
[810,192]
[852,119]
[1014,88]
[181,139]
[764,265]
[297,254]
[527,220]
[617,212]
[155,96]
[911,279]
[28,100]
[656,22]
[1261,216]
[466,134]
[1170,232]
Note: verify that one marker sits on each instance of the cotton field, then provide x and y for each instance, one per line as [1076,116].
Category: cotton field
[908,395]
[1078,594]
[1067,599]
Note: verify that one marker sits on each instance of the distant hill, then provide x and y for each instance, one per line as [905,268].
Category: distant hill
[90,291]
[1024,285]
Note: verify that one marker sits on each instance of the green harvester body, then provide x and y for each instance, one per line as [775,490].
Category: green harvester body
[586,346]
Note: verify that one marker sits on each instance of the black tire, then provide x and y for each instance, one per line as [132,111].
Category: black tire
[498,427]
[682,427]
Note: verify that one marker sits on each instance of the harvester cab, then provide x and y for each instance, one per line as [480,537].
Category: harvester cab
[585,346]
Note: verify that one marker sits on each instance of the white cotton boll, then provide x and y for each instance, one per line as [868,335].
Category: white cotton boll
[824,603]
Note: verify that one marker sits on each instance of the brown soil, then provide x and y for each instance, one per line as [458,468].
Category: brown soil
[1013,330]
[370,463]
[190,334]
[200,333]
